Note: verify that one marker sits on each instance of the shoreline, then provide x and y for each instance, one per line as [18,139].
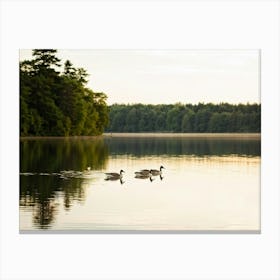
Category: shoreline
[150,135]
[185,135]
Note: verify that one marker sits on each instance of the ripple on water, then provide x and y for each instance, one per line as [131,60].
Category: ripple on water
[64,174]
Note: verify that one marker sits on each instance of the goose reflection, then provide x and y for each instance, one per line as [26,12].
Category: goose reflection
[115,179]
[144,176]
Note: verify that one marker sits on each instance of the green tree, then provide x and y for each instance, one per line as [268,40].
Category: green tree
[187,121]
[45,59]
[131,120]
[55,103]
[220,122]
[174,118]
[202,118]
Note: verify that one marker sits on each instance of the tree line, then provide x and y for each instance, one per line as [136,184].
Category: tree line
[55,101]
[180,117]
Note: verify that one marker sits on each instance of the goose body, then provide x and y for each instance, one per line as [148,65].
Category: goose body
[156,172]
[112,176]
[143,172]
[153,172]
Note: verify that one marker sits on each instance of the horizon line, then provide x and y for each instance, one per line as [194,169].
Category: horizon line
[181,103]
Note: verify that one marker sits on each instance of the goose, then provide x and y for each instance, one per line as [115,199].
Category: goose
[154,172]
[112,176]
[143,172]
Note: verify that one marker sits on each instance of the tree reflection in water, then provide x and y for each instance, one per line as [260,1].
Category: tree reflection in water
[45,159]
[56,165]
[175,146]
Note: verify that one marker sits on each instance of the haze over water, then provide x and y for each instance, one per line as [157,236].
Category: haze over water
[207,184]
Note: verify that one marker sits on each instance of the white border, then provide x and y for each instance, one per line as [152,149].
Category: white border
[142,25]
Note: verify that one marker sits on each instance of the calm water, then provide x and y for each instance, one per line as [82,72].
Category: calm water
[207,184]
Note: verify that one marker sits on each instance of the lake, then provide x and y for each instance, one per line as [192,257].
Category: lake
[210,183]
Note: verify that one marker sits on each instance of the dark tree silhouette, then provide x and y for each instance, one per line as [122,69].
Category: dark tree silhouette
[54,103]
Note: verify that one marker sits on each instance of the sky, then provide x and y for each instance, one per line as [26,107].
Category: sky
[169,76]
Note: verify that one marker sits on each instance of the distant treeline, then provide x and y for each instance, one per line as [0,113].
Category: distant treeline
[55,101]
[179,117]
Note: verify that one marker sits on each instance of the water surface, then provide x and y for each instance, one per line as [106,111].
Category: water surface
[207,184]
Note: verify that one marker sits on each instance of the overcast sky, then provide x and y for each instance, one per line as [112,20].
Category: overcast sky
[187,76]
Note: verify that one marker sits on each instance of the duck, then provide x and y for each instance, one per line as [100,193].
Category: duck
[114,176]
[88,169]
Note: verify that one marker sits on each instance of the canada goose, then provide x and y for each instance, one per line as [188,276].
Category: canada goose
[112,176]
[143,172]
[154,172]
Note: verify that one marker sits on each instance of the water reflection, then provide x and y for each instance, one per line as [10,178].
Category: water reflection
[62,154]
[183,146]
[115,179]
[55,173]
[50,169]
[144,177]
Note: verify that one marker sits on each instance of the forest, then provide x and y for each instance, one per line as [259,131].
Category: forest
[180,117]
[55,101]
